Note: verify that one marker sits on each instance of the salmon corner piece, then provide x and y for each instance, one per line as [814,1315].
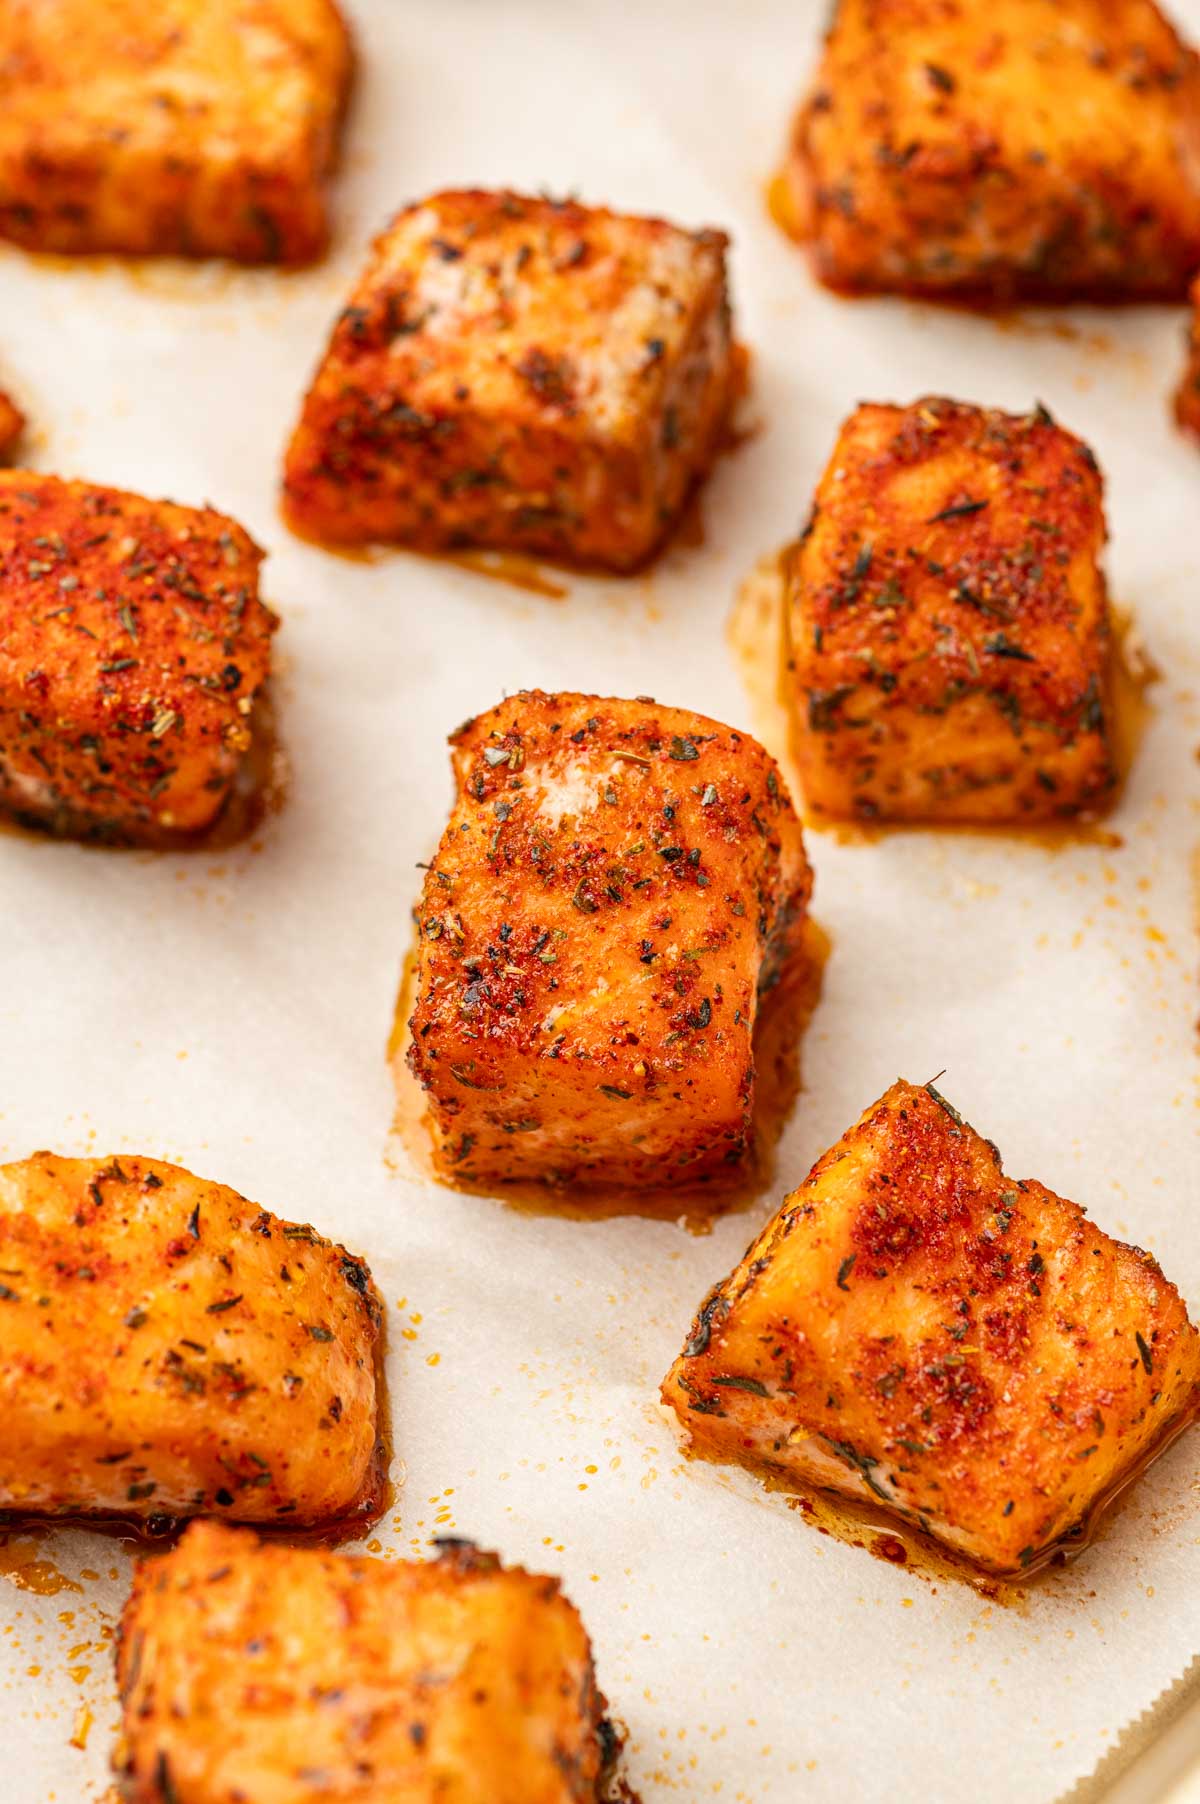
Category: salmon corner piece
[949,640]
[918,1331]
[527,374]
[169,1349]
[617,886]
[1026,150]
[134,652]
[249,1669]
[200,128]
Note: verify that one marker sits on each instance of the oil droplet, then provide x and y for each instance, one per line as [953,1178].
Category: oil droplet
[889,1547]
[20,1565]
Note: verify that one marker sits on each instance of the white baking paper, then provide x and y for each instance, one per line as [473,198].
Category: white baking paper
[231,1010]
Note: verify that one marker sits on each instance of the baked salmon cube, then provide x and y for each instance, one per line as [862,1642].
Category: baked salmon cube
[1023,150]
[169,1349]
[12,424]
[1187,400]
[949,640]
[618,885]
[133,646]
[532,375]
[249,1669]
[918,1331]
[201,128]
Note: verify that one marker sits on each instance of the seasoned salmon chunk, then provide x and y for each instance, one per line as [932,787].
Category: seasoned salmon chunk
[1027,149]
[949,641]
[250,1670]
[1187,401]
[132,647]
[12,424]
[919,1331]
[198,128]
[167,1348]
[617,886]
[525,374]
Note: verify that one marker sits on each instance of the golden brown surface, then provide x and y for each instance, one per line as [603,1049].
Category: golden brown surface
[167,1347]
[949,654]
[193,127]
[257,1671]
[528,374]
[12,424]
[1027,149]
[132,646]
[1187,399]
[617,885]
[918,1329]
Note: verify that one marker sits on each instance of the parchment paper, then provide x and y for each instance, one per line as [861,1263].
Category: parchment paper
[230,1011]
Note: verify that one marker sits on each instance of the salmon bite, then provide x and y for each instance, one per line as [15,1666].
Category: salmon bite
[618,886]
[918,1331]
[134,653]
[168,1349]
[527,374]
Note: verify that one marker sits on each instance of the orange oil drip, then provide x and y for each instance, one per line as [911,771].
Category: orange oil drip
[22,1566]
[509,567]
[781,205]
[891,1537]
[515,568]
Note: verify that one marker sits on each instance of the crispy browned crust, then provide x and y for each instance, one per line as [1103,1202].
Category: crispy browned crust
[254,1670]
[526,374]
[1025,150]
[948,623]
[132,646]
[194,127]
[169,1348]
[962,1347]
[1187,398]
[12,425]
[617,884]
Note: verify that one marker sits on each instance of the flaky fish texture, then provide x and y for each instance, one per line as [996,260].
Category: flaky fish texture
[617,885]
[201,128]
[133,647]
[1023,150]
[948,629]
[532,375]
[919,1331]
[168,1349]
[282,1675]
